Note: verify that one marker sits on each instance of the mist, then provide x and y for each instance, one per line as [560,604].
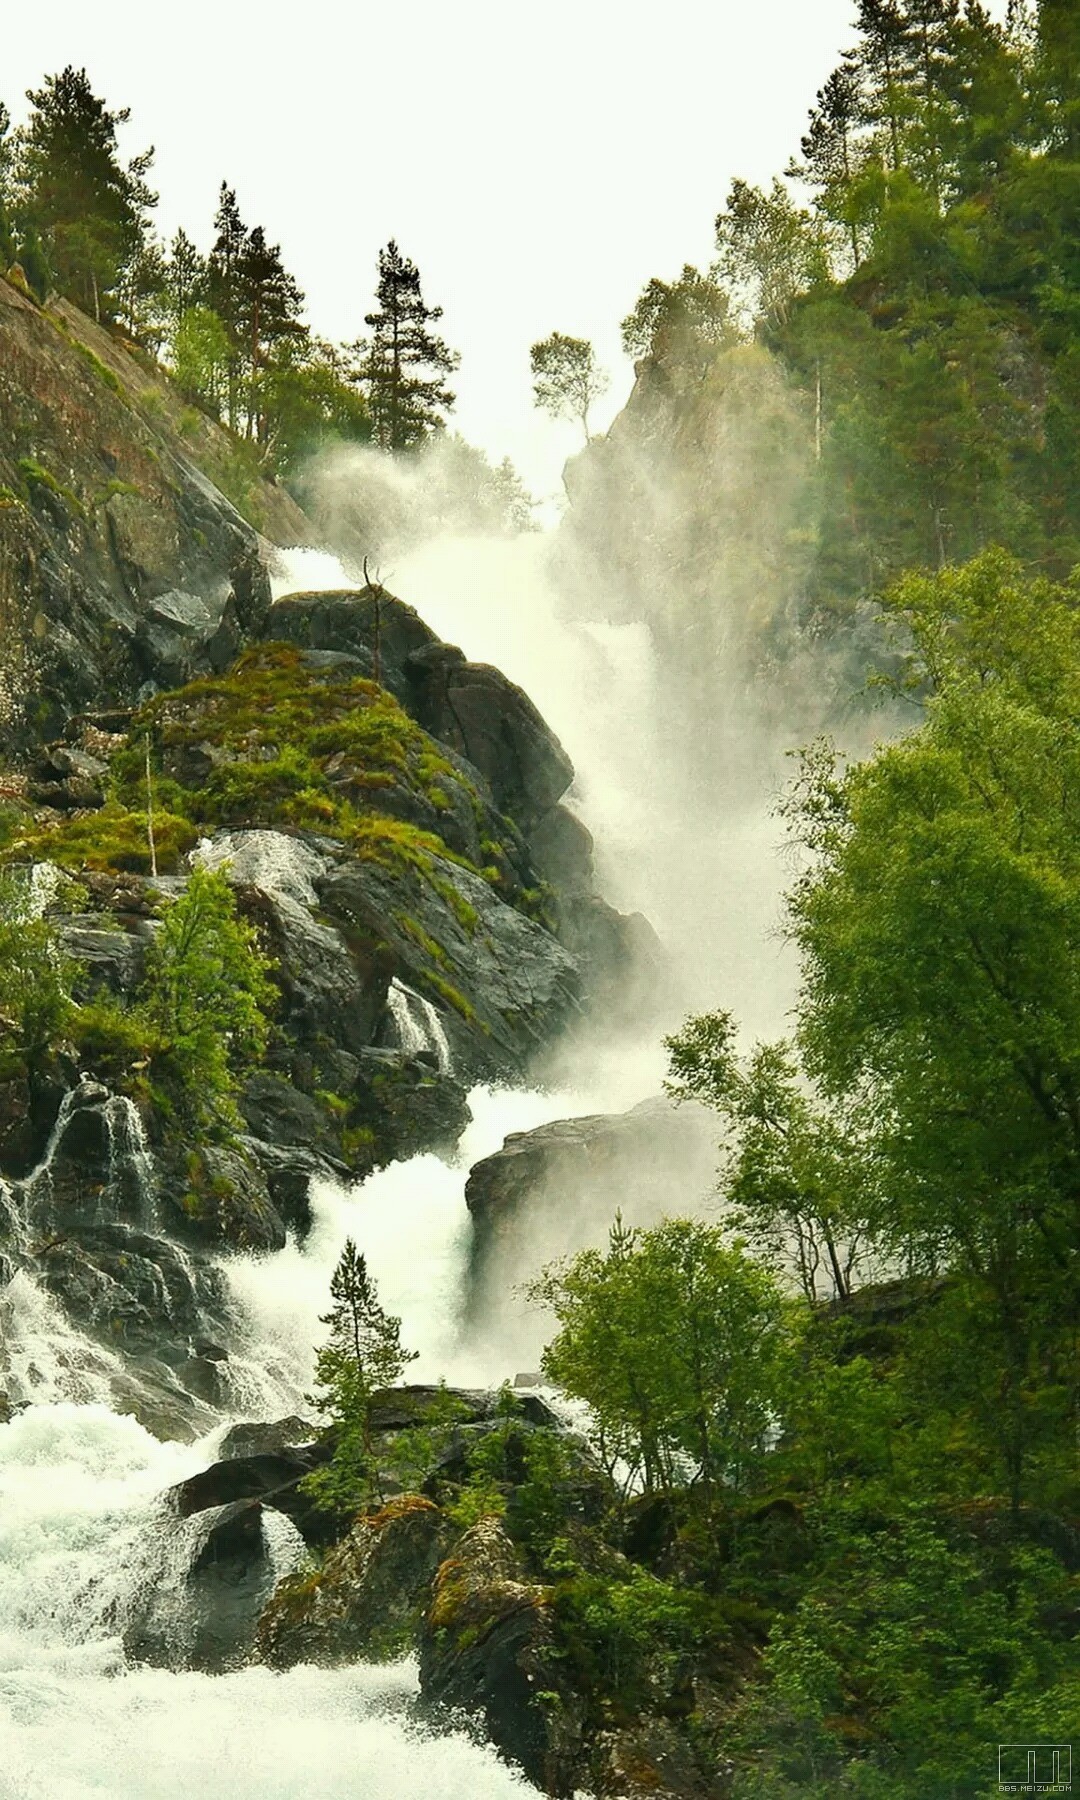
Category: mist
[656,626]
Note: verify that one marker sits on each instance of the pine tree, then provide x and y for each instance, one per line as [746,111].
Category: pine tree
[186,277]
[89,208]
[883,57]
[403,365]
[1057,74]
[830,152]
[224,288]
[363,1353]
[269,307]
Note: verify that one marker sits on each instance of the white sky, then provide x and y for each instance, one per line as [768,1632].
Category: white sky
[538,159]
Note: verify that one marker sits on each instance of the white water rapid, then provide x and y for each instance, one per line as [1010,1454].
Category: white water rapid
[77,1512]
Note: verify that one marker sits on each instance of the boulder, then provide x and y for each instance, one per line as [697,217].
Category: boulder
[289,1171]
[267,1437]
[488,1648]
[206,1617]
[66,779]
[377,632]
[180,634]
[562,1183]
[366,1599]
[270,1476]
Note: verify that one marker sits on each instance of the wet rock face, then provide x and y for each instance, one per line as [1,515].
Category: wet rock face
[505,985]
[87,1224]
[561,1184]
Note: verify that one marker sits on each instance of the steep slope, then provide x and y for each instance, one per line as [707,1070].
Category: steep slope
[121,561]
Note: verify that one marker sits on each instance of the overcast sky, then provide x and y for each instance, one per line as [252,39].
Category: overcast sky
[538,159]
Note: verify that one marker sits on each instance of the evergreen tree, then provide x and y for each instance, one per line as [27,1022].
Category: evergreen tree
[363,1353]
[831,155]
[883,55]
[224,289]
[269,307]
[141,299]
[402,367]
[186,277]
[89,208]
[1057,75]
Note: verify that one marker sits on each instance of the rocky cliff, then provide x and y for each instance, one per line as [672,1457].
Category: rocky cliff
[133,529]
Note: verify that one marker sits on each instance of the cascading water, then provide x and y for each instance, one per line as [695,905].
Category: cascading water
[78,1514]
[417,1025]
[82,1534]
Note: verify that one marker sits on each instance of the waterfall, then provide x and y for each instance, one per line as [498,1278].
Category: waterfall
[81,1534]
[132,1175]
[417,1025]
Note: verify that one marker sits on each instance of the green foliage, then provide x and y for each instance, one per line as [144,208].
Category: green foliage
[672,1338]
[937,923]
[567,380]
[115,838]
[205,996]
[678,321]
[902,1626]
[35,975]
[631,1637]
[800,1173]
[200,356]
[72,189]
[363,1353]
[402,368]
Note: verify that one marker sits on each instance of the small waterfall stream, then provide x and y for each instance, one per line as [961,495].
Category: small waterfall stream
[417,1025]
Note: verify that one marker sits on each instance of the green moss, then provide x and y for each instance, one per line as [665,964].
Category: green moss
[8,498]
[358,1141]
[450,994]
[34,475]
[99,368]
[117,487]
[114,838]
[423,939]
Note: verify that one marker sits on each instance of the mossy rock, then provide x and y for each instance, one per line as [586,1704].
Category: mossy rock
[367,1597]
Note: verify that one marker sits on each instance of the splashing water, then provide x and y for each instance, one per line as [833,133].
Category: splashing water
[79,1483]
[77,1510]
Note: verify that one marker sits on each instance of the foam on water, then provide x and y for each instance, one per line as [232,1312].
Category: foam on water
[80,1529]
